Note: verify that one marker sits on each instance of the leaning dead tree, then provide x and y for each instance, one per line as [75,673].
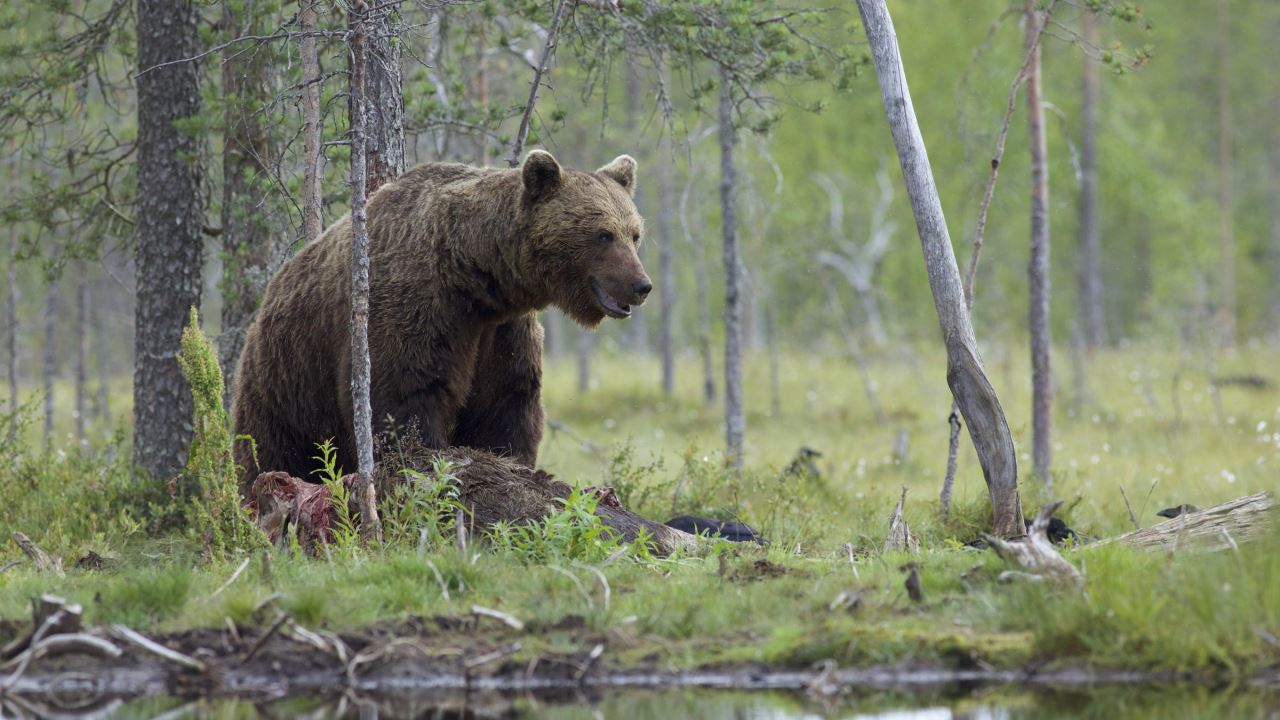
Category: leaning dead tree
[973,392]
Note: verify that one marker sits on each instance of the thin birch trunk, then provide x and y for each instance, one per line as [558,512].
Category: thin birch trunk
[11,319]
[735,420]
[1092,322]
[50,364]
[82,348]
[1273,203]
[312,218]
[775,379]
[585,341]
[1226,202]
[361,411]
[702,296]
[102,349]
[1038,267]
[969,384]
[666,279]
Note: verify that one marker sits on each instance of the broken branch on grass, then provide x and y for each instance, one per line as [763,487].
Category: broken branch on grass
[262,641]
[1244,520]
[40,558]
[503,652]
[507,619]
[517,145]
[234,576]
[1132,518]
[150,646]
[900,537]
[1034,554]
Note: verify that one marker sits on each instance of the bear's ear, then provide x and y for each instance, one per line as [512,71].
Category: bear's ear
[623,171]
[541,174]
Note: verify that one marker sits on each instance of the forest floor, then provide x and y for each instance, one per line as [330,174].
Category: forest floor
[1150,422]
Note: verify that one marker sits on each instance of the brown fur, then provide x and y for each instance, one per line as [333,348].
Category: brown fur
[461,258]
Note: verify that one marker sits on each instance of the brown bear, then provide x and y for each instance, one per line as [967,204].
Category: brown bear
[461,259]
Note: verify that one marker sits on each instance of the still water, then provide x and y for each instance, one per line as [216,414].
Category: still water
[991,703]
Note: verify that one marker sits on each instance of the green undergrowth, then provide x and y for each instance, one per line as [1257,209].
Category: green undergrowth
[796,602]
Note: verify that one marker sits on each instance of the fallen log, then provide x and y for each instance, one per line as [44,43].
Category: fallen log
[1221,527]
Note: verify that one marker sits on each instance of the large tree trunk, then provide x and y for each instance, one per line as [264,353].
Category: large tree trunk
[1226,202]
[168,239]
[384,96]
[312,217]
[82,350]
[735,419]
[1038,268]
[1092,322]
[247,221]
[969,384]
[50,365]
[666,278]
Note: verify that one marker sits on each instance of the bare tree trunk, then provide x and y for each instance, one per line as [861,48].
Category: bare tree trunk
[363,421]
[702,292]
[775,380]
[1038,269]
[168,235]
[50,366]
[384,96]
[1226,203]
[312,218]
[1092,321]
[969,384]
[247,221]
[666,278]
[82,349]
[11,319]
[735,419]
[585,341]
[1273,202]
[102,349]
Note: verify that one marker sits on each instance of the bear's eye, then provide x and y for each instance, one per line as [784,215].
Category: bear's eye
[635,239]
[605,238]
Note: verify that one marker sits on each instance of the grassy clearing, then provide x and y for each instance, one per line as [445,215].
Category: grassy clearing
[1213,614]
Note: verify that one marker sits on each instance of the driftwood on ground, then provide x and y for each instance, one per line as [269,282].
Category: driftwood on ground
[1034,554]
[1220,527]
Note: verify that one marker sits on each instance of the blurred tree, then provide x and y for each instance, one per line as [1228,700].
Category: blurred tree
[1038,268]
[1226,200]
[1089,301]
[312,178]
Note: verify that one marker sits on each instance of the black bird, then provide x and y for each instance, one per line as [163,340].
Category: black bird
[914,591]
[1057,531]
[804,465]
[730,530]
[1174,512]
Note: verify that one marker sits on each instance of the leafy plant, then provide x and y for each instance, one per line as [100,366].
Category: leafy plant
[574,532]
[343,533]
[423,507]
[209,495]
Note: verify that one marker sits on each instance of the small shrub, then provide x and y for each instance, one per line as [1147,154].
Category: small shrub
[574,532]
[422,507]
[344,535]
[209,494]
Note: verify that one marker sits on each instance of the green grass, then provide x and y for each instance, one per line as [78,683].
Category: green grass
[1205,613]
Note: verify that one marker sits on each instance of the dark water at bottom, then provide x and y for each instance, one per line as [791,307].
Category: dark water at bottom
[994,703]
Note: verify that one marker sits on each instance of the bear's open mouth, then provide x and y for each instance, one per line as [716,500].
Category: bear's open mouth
[612,307]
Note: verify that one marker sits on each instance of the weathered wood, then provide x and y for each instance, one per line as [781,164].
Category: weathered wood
[973,392]
[1038,266]
[1221,527]
[40,558]
[1034,555]
[899,538]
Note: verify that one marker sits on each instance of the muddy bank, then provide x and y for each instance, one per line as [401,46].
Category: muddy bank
[448,657]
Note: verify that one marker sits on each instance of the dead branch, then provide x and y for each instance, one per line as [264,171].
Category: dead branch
[1035,555]
[507,619]
[517,145]
[900,537]
[154,648]
[1244,520]
[40,558]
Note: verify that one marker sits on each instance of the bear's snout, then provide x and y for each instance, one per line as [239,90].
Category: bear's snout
[641,290]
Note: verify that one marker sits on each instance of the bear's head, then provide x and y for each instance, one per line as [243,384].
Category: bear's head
[583,236]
